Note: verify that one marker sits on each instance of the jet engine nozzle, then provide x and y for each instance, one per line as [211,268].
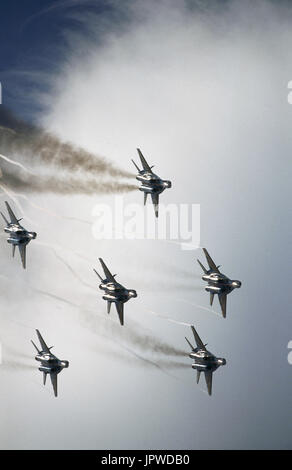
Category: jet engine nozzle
[132,293]
[213,289]
[33,235]
[167,184]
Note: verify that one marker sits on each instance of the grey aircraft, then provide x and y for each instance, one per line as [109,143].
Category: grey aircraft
[218,283]
[18,235]
[50,364]
[204,361]
[114,292]
[151,183]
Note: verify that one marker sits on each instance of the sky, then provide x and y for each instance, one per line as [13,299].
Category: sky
[201,88]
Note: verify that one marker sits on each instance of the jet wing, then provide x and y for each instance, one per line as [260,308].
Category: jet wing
[107,272]
[208,377]
[44,347]
[145,165]
[223,301]
[120,310]
[198,340]
[22,251]
[12,216]
[210,262]
[190,345]
[155,200]
[54,380]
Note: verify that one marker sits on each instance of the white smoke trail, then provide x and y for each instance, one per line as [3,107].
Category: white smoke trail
[167,318]
[73,271]
[142,340]
[49,211]
[55,246]
[14,162]
[200,306]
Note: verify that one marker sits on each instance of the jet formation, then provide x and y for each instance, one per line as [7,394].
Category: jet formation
[114,292]
[217,282]
[204,361]
[151,183]
[18,235]
[50,364]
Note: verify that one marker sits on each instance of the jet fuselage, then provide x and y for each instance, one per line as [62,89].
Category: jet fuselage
[219,283]
[151,183]
[204,360]
[18,235]
[115,292]
[50,363]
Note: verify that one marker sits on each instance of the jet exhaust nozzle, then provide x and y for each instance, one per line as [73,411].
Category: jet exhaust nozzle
[33,235]
[213,289]
[133,293]
[167,184]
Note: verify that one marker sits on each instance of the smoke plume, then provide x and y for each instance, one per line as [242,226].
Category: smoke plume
[37,161]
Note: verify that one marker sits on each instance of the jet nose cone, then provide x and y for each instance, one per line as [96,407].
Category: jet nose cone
[133,293]
[168,184]
[238,283]
[33,235]
[222,362]
[65,364]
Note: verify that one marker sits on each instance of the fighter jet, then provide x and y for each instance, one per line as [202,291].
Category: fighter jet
[218,283]
[50,364]
[151,183]
[114,292]
[18,235]
[204,361]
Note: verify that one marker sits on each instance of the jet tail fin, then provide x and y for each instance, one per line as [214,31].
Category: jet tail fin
[190,345]
[137,168]
[98,274]
[35,346]
[198,376]
[203,267]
